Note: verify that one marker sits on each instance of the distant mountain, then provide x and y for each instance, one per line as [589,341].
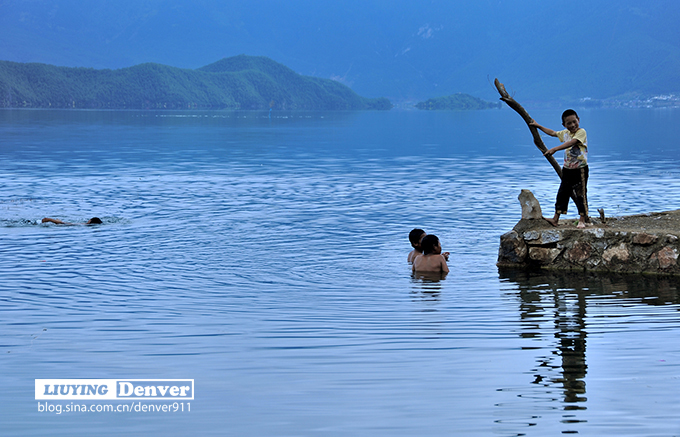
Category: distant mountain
[459,101]
[405,50]
[240,82]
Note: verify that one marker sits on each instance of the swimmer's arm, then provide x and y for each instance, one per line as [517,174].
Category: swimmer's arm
[58,222]
[55,221]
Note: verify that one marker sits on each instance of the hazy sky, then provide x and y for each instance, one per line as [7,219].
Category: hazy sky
[402,49]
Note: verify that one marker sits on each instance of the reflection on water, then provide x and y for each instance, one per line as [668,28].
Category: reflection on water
[553,307]
[427,285]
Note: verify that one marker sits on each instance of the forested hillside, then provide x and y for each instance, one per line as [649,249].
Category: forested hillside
[240,82]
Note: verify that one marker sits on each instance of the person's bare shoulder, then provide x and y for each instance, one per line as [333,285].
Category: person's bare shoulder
[418,262]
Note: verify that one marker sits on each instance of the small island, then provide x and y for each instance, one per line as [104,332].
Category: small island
[458,101]
[239,82]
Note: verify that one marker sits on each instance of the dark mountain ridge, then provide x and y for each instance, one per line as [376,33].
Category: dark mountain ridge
[240,82]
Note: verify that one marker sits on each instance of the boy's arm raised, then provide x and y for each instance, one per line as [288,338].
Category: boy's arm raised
[545,130]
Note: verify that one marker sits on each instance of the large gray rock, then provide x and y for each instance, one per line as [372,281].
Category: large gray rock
[513,249]
[531,209]
[666,257]
[543,237]
[542,255]
[619,252]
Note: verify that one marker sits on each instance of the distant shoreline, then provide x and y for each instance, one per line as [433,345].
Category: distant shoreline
[400,106]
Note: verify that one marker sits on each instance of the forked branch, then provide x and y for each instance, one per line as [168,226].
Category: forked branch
[527,119]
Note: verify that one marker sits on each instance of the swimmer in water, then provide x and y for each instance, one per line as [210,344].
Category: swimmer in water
[415,236]
[432,259]
[92,221]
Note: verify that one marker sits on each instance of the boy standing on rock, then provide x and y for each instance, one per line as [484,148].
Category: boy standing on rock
[575,169]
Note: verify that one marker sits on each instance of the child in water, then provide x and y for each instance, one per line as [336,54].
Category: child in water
[414,237]
[432,259]
[92,221]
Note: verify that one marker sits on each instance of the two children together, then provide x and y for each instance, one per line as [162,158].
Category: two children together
[427,255]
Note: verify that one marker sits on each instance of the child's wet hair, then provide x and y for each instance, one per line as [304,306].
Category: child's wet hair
[95,221]
[429,243]
[567,113]
[414,237]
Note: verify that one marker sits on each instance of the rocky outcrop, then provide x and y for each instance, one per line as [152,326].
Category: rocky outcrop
[647,243]
[531,209]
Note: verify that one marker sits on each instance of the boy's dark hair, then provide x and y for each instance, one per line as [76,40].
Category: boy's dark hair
[414,237]
[567,113]
[95,221]
[429,243]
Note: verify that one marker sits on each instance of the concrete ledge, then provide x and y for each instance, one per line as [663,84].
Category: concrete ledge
[646,243]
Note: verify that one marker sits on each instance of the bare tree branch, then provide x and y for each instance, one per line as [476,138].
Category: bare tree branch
[525,115]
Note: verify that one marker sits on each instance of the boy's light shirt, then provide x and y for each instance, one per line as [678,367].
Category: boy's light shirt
[577,156]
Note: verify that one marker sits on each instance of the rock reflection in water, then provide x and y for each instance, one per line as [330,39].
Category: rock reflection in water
[556,303]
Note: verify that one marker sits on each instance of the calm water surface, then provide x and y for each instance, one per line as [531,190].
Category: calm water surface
[266,259]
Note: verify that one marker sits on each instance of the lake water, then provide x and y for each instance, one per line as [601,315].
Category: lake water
[265,258]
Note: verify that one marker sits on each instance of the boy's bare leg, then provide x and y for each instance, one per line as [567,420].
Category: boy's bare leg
[553,221]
